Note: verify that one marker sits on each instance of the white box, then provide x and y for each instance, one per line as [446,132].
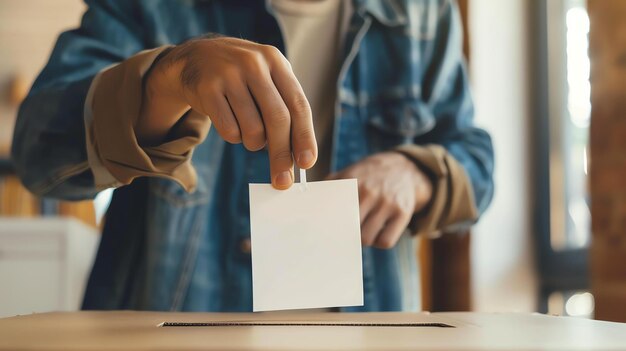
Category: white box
[44,264]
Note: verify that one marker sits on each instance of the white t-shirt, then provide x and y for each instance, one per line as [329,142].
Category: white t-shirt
[314,32]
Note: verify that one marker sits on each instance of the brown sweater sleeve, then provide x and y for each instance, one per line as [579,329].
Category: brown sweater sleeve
[452,206]
[116,106]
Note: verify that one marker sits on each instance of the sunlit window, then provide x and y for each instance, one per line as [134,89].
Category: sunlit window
[562,89]
[571,227]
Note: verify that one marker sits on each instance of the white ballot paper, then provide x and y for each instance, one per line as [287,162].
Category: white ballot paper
[306,246]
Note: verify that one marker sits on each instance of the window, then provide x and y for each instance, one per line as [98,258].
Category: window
[571,218]
[562,100]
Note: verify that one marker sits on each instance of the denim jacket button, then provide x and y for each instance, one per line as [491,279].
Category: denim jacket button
[245,246]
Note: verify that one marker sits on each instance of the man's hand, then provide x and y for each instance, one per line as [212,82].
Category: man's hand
[247,90]
[391,190]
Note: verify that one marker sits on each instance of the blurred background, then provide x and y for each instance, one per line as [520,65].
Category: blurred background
[535,249]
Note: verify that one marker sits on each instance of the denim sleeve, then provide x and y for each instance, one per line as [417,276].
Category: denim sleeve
[49,151]
[446,88]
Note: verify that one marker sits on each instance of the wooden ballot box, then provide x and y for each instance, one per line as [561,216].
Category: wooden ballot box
[309,331]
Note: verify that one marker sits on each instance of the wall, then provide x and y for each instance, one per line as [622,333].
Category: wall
[28,29]
[503,275]
[608,157]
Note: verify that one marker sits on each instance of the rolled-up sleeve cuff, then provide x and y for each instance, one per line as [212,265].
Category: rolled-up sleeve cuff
[114,153]
[452,206]
[103,179]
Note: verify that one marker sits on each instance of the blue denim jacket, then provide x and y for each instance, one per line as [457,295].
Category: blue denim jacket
[402,81]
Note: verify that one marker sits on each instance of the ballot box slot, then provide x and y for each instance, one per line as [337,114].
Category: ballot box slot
[297,324]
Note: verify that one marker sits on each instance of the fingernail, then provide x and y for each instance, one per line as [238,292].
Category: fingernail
[305,158]
[283,179]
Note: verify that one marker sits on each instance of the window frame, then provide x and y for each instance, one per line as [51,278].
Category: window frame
[567,269]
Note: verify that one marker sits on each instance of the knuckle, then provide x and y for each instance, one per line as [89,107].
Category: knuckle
[231,135]
[253,145]
[254,139]
[404,212]
[388,203]
[271,51]
[305,135]
[282,156]
[279,118]
[227,130]
[396,208]
[366,241]
[274,56]
[253,61]
[256,132]
[384,243]
[364,191]
[208,86]
[230,73]
[300,105]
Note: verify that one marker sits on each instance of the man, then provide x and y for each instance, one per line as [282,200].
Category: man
[182,129]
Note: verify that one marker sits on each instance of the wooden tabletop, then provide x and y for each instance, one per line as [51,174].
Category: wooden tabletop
[126,330]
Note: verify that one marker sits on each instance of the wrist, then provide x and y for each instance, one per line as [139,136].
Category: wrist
[423,189]
[163,77]
[423,184]
[162,102]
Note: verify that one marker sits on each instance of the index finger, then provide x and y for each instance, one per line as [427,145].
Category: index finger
[277,121]
[303,139]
